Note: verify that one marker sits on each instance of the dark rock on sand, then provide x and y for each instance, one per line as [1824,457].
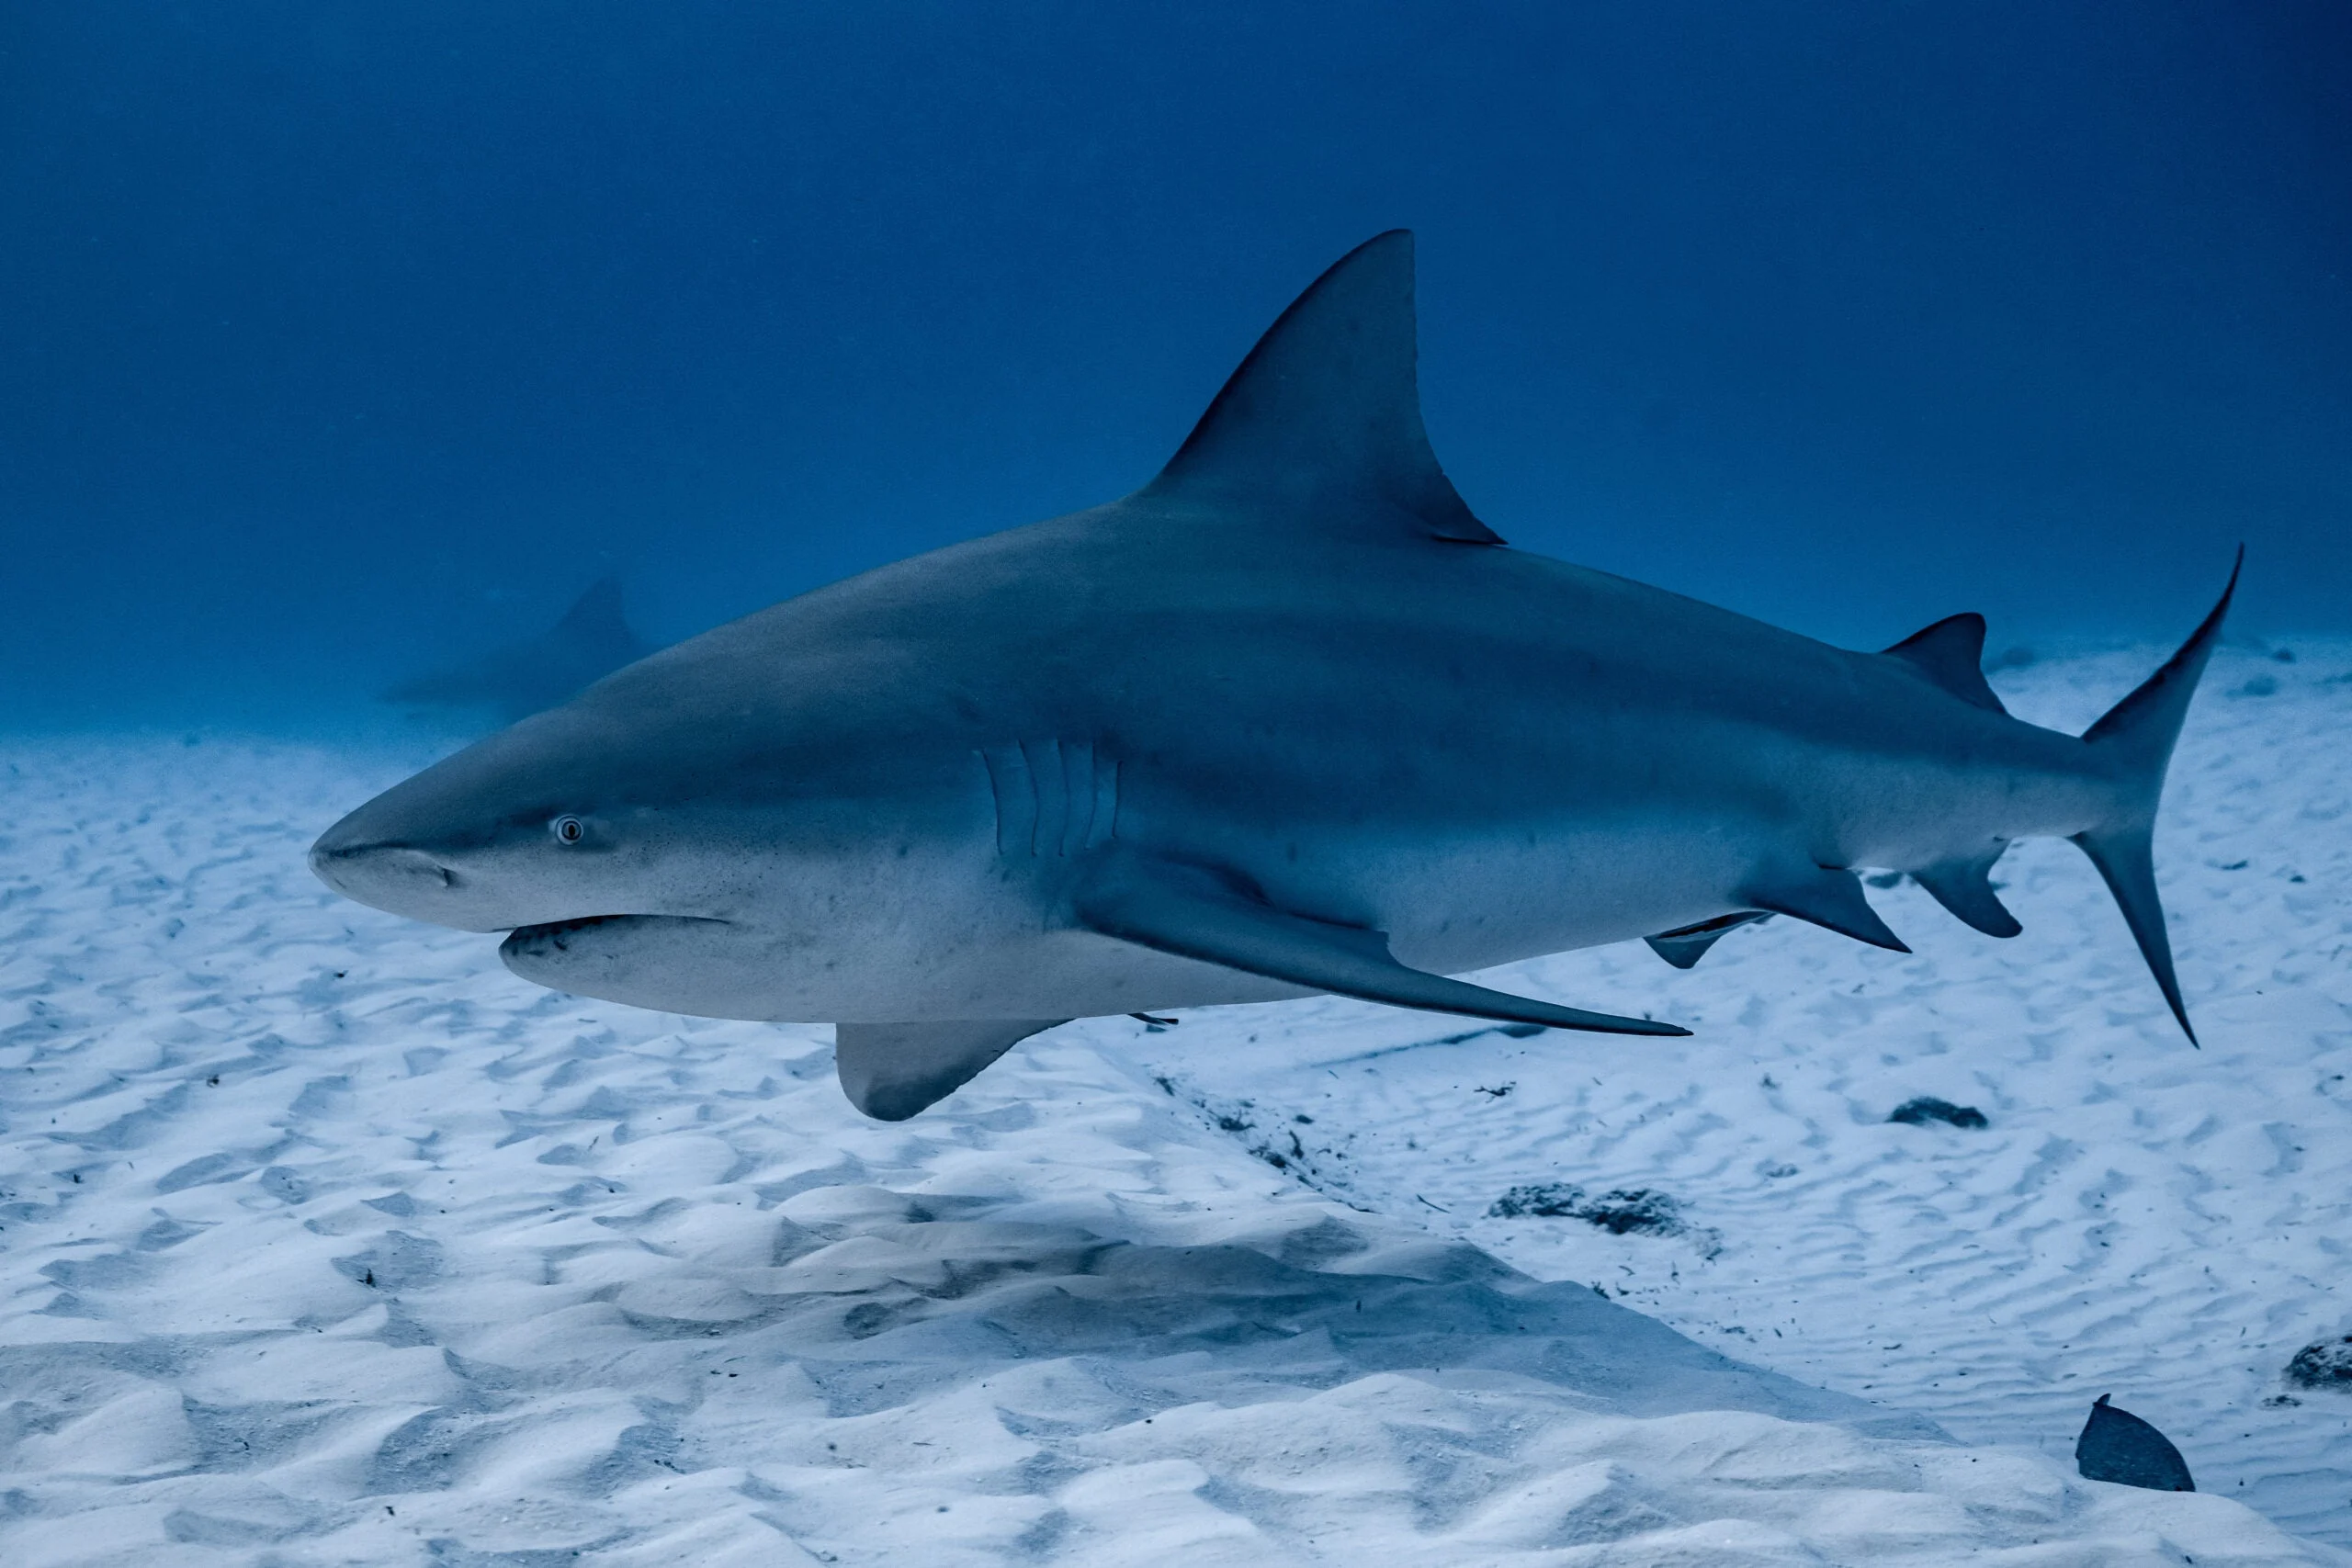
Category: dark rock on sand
[2117,1445]
[2328,1364]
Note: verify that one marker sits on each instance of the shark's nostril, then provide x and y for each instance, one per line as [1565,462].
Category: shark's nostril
[345,866]
[411,866]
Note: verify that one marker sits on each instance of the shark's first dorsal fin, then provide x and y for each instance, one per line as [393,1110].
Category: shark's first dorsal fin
[1951,654]
[1323,420]
[595,616]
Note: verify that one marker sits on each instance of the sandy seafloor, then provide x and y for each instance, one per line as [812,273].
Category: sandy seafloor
[327,1240]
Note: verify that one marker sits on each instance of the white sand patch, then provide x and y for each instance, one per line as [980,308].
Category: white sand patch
[328,1241]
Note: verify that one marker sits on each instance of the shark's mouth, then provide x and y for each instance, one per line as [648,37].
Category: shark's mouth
[669,962]
[555,938]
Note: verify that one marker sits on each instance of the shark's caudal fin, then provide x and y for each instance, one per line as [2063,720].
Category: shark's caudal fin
[2136,737]
[1324,418]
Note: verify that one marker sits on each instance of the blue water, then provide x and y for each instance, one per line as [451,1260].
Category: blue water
[338,339]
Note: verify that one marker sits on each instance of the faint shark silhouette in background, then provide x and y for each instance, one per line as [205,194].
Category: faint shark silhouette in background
[523,678]
[1290,719]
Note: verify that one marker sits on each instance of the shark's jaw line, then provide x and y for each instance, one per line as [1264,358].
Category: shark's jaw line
[1285,721]
[559,932]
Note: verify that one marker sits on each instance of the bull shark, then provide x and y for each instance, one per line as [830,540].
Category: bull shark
[592,640]
[1288,720]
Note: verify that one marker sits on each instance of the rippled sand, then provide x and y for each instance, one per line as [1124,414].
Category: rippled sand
[327,1240]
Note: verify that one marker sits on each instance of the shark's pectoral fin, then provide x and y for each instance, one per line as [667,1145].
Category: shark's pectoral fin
[892,1070]
[1684,945]
[1951,654]
[1965,887]
[1825,896]
[1193,914]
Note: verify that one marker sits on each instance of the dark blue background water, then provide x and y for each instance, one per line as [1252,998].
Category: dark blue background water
[334,338]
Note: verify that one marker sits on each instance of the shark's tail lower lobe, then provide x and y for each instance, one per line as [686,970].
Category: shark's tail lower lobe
[2136,739]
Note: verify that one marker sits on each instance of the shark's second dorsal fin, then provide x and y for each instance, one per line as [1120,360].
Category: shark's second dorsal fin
[1951,654]
[1323,420]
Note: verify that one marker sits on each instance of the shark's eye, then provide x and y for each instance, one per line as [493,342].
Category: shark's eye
[567,829]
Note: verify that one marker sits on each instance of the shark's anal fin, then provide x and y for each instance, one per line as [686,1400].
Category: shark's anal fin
[1951,654]
[1965,887]
[892,1070]
[1194,914]
[1828,896]
[1684,945]
[1322,423]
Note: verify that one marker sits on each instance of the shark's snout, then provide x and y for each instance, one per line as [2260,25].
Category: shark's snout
[387,875]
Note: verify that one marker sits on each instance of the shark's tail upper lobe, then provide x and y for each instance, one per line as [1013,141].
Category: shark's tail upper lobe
[2136,739]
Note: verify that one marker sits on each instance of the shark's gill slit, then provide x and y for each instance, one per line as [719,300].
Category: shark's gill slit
[1016,802]
[1103,824]
[1053,798]
[1078,791]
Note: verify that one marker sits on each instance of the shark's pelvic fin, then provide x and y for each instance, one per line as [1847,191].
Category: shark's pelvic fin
[1684,945]
[1825,896]
[1194,914]
[2137,736]
[1965,887]
[892,1070]
[1323,420]
[1951,654]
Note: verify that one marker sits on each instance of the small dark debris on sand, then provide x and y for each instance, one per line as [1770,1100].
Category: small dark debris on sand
[1927,1108]
[2328,1364]
[2117,1445]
